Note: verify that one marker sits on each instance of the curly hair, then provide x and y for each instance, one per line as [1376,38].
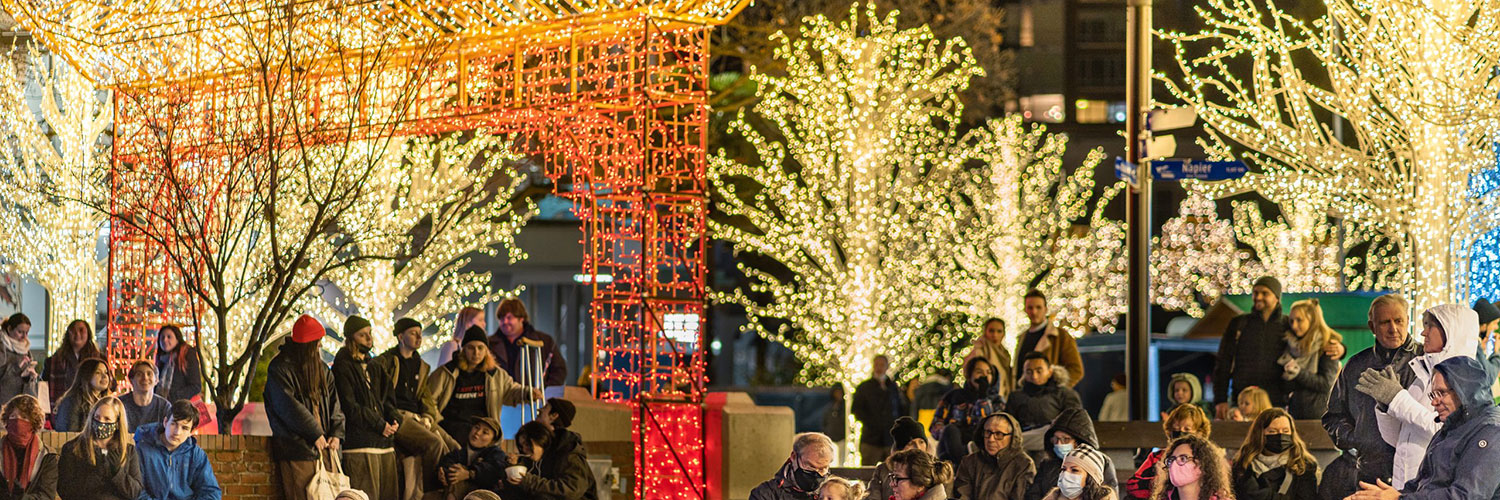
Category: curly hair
[25,406]
[853,489]
[1210,459]
[924,470]
[1297,458]
[1193,415]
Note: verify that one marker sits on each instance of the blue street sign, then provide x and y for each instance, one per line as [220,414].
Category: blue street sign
[1203,170]
[1125,170]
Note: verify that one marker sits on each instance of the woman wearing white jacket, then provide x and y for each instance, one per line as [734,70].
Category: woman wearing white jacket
[1408,422]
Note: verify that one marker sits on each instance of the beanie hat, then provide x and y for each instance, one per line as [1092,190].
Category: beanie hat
[906,429]
[564,410]
[1487,311]
[493,424]
[404,323]
[1270,283]
[354,324]
[307,329]
[1089,459]
[474,334]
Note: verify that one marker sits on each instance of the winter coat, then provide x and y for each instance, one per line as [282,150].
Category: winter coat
[1350,420]
[1003,476]
[1139,485]
[1308,393]
[87,481]
[1036,405]
[181,474]
[1463,456]
[43,485]
[62,366]
[488,465]
[877,409]
[389,364]
[185,381]
[935,492]
[783,487]
[1076,423]
[960,410]
[880,489]
[1251,486]
[835,426]
[295,428]
[564,443]
[1197,390]
[929,394]
[70,414]
[557,367]
[564,477]
[1409,422]
[500,390]
[12,363]
[364,395]
[1056,494]
[1247,356]
[999,358]
[1060,348]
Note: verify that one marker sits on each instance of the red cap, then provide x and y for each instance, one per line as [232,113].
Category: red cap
[307,329]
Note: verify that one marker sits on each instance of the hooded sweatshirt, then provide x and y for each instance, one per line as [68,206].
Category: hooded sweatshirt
[1197,390]
[1465,452]
[1002,476]
[1409,422]
[1076,423]
[181,474]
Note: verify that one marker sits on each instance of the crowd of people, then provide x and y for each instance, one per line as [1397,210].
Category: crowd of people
[1410,419]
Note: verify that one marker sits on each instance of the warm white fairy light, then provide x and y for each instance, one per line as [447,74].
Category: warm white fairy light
[1395,115]
[1302,249]
[1195,260]
[50,185]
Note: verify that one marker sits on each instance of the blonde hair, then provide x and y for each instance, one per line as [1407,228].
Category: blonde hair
[853,489]
[1391,299]
[119,443]
[1258,397]
[1318,330]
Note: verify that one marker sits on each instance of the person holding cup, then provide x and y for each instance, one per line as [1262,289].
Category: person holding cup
[477,464]
[562,476]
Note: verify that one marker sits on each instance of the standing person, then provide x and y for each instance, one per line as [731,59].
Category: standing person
[470,386]
[418,434]
[1058,347]
[62,365]
[92,384]
[835,425]
[565,477]
[515,330]
[1116,407]
[143,405]
[1041,398]
[17,369]
[173,467]
[1183,420]
[179,374]
[1273,463]
[1071,430]
[1308,373]
[101,463]
[1195,470]
[1350,420]
[908,434]
[303,410]
[467,317]
[1082,476]
[877,403]
[28,470]
[1408,420]
[370,418]
[1489,321]
[917,475]
[999,468]
[1249,348]
[803,471]
[958,415]
[991,346]
[478,464]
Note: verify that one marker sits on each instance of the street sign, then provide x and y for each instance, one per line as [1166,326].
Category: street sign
[1171,118]
[1126,171]
[1203,170]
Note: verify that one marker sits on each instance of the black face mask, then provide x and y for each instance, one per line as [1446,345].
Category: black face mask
[364,350]
[1175,435]
[807,480]
[982,383]
[1278,443]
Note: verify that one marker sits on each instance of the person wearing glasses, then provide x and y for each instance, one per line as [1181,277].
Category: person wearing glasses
[908,434]
[1461,459]
[917,475]
[1195,470]
[1186,418]
[803,472]
[1405,417]
[999,468]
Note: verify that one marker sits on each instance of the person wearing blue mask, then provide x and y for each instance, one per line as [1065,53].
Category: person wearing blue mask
[1082,476]
[1071,429]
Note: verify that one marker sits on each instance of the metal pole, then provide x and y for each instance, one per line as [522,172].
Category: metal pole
[1138,204]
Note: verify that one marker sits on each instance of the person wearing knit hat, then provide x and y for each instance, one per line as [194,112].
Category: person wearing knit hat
[907,434]
[478,464]
[1252,344]
[1081,477]
[302,408]
[1489,320]
[418,434]
[472,385]
[370,417]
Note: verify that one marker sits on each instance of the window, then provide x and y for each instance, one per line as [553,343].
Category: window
[1043,108]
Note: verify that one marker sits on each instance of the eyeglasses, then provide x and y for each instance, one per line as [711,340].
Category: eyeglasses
[893,479]
[996,435]
[1439,393]
[1180,459]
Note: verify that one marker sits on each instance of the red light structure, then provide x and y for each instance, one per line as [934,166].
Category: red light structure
[610,96]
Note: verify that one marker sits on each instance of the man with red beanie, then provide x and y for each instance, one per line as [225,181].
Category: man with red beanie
[303,410]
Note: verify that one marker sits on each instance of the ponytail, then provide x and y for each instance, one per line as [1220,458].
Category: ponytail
[14,321]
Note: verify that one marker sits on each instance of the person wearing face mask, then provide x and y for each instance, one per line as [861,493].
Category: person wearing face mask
[1405,417]
[999,468]
[1350,419]
[960,411]
[1195,470]
[1183,420]
[101,463]
[908,434]
[1274,464]
[803,472]
[1041,397]
[370,417]
[29,468]
[1070,430]
[917,475]
[1082,476]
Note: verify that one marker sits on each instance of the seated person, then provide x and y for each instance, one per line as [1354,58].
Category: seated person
[554,477]
[173,467]
[1040,398]
[1185,419]
[803,471]
[1070,430]
[30,469]
[101,462]
[477,465]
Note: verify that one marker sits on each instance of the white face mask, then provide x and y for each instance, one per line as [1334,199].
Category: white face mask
[1070,484]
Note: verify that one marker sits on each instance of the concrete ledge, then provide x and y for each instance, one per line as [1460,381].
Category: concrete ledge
[746,443]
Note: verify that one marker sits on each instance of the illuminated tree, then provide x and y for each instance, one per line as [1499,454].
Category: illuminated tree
[1386,107]
[57,168]
[1088,285]
[1195,260]
[1302,249]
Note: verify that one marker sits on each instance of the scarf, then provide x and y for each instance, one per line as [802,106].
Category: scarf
[19,464]
[1264,463]
[18,346]
[1306,362]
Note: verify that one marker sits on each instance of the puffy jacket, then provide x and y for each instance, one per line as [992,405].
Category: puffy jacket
[488,464]
[294,428]
[1036,405]
[557,367]
[93,481]
[1350,419]
[1002,476]
[1060,348]
[1464,455]
[1197,390]
[783,486]
[1409,422]
[1076,423]
[565,477]
[365,398]
[181,474]
[960,410]
[1247,356]
[1139,485]
[439,390]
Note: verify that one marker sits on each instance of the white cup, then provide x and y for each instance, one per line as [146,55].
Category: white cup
[515,472]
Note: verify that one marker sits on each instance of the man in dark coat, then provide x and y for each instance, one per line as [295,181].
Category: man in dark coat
[877,403]
[1350,420]
[1040,398]
[417,433]
[370,418]
[1249,348]
[803,472]
[302,408]
[514,332]
[1071,429]
[1461,460]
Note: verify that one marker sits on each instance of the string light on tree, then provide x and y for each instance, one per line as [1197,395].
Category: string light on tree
[1195,260]
[1301,249]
